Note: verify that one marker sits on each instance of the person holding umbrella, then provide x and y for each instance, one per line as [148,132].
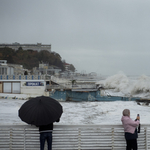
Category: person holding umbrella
[130,129]
[46,134]
[42,112]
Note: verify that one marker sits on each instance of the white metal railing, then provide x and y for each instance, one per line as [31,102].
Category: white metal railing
[66,83]
[60,80]
[84,86]
[71,137]
[24,77]
[70,86]
[54,87]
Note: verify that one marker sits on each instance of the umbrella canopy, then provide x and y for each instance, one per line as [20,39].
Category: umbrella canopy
[40,111]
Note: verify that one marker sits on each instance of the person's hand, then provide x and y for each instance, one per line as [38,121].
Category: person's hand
[138,118]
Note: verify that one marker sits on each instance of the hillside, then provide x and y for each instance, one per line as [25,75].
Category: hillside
[31,58]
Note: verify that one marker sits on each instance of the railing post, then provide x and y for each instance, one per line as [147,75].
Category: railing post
[146,138]
[38,77]
[79,139]
[10,142]
[24,138]
[112,138]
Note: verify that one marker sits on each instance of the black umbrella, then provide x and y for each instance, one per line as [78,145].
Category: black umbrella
[40,111]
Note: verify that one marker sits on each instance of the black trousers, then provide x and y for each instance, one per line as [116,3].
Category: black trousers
[131,144]
[46,136]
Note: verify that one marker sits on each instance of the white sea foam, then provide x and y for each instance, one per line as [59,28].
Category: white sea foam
[76,113]
[127,86]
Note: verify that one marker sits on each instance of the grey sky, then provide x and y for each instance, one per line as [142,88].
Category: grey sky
[103,36]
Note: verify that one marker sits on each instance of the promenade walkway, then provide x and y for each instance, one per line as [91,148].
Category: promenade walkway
[71,137]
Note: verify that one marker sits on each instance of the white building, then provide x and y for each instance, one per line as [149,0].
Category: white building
[24,84]
[5,69]
[11,69]
[46,69]
[37,47]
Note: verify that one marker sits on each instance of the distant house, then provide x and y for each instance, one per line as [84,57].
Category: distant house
[5,69]
[46,69]
[10,69]
[67,66]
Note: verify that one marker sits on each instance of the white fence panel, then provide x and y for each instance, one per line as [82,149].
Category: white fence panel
[71,137]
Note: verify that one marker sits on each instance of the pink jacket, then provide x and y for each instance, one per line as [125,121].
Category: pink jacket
[128,124]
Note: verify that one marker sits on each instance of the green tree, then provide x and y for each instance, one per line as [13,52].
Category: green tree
[72,68]
[30,58]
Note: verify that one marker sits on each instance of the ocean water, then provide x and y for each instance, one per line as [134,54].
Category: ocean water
[75,113]
[79,113]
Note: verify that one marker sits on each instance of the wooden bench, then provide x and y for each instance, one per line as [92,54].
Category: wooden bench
[71,137]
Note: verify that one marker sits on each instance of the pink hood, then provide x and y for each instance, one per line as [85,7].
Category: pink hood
[128,124]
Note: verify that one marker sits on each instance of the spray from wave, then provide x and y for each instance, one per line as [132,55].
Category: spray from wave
[142,85]
[127,86]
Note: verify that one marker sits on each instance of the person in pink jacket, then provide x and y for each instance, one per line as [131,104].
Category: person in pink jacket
[130,129]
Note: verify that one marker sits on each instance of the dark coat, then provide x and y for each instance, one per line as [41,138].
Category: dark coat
[48,127]
[130,136]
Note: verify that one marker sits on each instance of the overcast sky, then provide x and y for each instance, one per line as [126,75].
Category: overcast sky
[102,36]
